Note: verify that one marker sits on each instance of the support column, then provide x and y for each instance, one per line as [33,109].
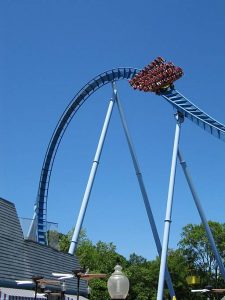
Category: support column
[179,119]
[32,232]
[202,215]
[89,186]
[142,188]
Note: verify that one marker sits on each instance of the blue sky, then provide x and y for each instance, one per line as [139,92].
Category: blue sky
[49,50]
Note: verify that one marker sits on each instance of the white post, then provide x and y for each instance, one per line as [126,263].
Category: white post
[163,264]
[90,182]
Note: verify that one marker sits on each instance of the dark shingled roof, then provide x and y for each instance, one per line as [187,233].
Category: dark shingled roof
[21,259]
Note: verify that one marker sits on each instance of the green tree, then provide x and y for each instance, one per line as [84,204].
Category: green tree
[193,255]
[136,259]
[143,279]
[196,249]
[53,239]
[65,239]
[99,258]
[179,271]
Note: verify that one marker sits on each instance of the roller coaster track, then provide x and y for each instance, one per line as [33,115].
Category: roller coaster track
[178,101]
[193,113]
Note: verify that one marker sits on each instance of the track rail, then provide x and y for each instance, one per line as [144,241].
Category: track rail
[193,113]
[178,101]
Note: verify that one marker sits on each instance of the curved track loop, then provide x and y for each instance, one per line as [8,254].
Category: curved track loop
[177,100]
[72,108]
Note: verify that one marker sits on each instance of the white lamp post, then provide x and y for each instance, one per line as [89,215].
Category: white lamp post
[118,284]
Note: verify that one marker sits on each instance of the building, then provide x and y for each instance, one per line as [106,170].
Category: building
[21,259]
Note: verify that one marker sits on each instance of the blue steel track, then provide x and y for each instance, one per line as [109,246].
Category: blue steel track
[177,100]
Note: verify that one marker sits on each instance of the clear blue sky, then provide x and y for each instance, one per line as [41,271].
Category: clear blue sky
[49,50]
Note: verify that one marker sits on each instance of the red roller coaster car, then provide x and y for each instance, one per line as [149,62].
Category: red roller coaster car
[156,76]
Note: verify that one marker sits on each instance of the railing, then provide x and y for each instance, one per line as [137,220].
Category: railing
[52,234]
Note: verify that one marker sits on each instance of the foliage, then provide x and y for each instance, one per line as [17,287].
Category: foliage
[143,279]
[197,251]
[193,256]
[53,238]
[65,239]
[178,269]
[101,257]
[136,259]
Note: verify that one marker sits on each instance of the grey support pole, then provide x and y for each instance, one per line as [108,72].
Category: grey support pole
[142,188]
[87,193]
[32,232]
[202,215]
[179,119]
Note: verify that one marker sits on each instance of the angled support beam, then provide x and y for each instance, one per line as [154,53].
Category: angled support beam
[202,215]
[91,178]
[179,119]
[142,188]
[32,231]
